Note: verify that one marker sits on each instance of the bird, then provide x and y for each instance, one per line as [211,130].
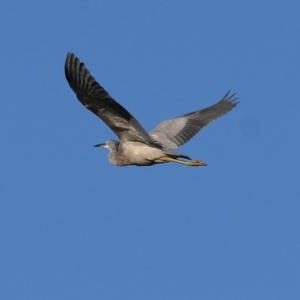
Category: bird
[136,146]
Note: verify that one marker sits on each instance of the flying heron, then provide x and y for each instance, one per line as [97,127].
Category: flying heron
[136,146]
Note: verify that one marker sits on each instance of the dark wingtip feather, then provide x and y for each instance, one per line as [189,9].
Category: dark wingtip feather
[77,75]
[70,68]
[230,99]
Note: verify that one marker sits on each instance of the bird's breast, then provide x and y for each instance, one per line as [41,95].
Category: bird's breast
[141,154]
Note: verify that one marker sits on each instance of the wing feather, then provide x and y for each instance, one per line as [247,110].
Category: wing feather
[94,97]
[173,133]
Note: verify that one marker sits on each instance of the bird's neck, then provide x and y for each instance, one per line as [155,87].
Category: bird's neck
[113,156]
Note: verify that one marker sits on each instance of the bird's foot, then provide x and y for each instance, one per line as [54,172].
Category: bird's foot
[192,163]
[196,163]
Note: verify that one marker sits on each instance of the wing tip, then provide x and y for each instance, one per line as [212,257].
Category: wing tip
[76,72]
[230,99]
[69,66]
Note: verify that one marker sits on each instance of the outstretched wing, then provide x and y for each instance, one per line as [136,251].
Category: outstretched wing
[173,133]
[96,99]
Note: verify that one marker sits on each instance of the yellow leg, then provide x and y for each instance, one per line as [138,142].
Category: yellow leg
[192,163]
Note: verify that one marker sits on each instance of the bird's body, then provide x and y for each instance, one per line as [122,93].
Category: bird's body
[133,153]
[136,146]
[136,153]
[141,154]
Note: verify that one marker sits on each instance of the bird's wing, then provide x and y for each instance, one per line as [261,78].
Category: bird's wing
[173,133]
[96,99]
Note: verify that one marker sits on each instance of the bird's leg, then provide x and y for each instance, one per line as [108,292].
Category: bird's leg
[192,163]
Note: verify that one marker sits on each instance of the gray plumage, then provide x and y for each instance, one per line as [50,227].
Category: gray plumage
[136,146]
[176,132]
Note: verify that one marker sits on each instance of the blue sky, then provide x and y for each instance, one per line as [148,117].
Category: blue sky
[73,226]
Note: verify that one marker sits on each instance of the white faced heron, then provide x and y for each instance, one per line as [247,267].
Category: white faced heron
[136,146]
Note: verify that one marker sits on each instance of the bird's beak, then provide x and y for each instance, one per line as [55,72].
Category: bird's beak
[100,145]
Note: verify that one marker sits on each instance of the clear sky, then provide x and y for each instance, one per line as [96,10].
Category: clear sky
[74,226]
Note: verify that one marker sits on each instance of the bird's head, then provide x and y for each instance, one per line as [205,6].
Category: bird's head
[112,145]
